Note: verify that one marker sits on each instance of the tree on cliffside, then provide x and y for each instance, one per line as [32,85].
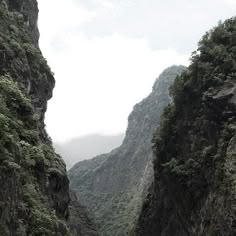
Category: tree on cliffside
[195,165]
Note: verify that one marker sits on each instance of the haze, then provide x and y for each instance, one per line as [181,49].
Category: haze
[106,55]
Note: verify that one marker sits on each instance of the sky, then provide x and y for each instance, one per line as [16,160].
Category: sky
[107,54]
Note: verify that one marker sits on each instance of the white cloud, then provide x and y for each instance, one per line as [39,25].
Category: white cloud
[106,3]
[170,23]
[99,81]
[231,2]
[59,17]
[104,58]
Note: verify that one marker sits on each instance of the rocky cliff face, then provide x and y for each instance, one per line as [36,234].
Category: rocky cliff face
[194,189]
[80,223]
[112,185]
[34,193]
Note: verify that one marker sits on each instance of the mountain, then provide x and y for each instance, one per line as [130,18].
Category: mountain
[34,193]
[86,147]
[194,188]
[112,185]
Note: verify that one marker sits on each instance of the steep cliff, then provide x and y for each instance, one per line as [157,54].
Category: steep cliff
[112,185]
[194,189]
[34,193]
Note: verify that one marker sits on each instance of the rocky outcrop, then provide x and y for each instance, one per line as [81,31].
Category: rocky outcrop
[34,193]
[194,189]
[112,185]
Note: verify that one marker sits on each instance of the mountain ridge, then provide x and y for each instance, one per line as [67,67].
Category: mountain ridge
[112,185]
[86,147]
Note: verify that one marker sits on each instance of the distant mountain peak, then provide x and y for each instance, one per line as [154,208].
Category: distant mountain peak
[86,147]
[112,185]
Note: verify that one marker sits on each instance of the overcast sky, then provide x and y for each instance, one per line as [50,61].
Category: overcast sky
[106,55]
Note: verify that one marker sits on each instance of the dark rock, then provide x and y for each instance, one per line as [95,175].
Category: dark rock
[34,193]
[80,223]
[194,188]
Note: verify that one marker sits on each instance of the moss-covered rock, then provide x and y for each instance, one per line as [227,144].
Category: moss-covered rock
[34,193]
[195,167]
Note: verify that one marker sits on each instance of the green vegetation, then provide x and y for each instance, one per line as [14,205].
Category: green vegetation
[112,186]
[194,167]
[33,177]
[22,157]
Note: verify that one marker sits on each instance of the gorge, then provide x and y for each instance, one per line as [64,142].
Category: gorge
[173,175]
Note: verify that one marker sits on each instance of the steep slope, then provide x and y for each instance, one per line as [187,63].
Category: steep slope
[79,222]
[194,190]
[86,147]
[34,193]
[112,185]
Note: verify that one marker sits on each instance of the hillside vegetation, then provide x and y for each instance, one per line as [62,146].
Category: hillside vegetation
[34,193]
[194,189]
[112,185]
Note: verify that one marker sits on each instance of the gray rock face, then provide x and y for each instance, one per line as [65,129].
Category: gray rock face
[112,185]
[80,223]
[194,188]
[27,11]
[34,193]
